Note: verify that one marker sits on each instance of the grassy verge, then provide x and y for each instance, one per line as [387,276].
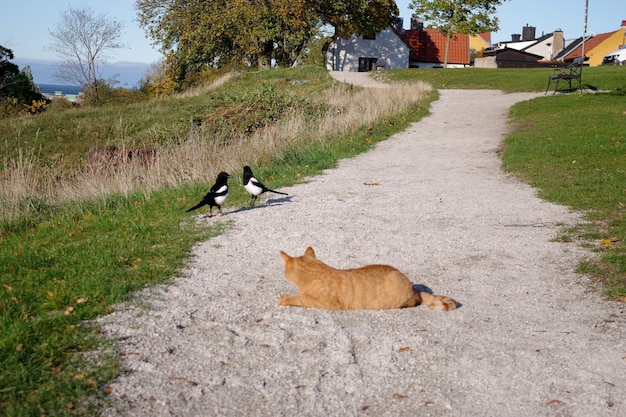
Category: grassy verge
[509,80]
[71,265]
[573,149]
[63,263]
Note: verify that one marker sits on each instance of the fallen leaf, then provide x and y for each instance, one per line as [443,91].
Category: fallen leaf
[68,311]
[7,287]
[406,349]
[554,402]
[399,396]
[371,183]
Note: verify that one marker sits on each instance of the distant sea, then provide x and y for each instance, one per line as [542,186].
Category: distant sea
[53,88]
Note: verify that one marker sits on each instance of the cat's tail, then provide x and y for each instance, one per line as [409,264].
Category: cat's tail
[437,302]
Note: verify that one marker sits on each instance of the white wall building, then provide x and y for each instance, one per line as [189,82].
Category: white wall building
[385,51]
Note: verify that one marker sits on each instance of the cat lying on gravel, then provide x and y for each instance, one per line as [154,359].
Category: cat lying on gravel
[373,287]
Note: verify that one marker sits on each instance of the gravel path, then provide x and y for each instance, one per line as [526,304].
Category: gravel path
[532,337]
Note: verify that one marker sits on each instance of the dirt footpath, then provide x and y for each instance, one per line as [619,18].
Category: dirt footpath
[532,337]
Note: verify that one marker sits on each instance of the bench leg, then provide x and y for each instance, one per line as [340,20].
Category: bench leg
[548,87]
[556,86]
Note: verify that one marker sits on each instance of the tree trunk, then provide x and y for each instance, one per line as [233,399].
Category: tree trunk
[445,54]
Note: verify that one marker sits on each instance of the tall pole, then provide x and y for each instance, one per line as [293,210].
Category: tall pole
[585,29]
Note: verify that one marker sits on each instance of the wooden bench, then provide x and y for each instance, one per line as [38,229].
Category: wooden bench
[571,73]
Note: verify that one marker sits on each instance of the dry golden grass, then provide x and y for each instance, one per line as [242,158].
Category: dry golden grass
[198,157]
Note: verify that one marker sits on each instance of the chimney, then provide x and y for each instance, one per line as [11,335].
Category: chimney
[417,23]
[528,33]
[557,42]
[515,37]
[624,23]
[398,25]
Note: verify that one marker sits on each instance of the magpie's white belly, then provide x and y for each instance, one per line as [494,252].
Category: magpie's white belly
[253,189]
[220,199]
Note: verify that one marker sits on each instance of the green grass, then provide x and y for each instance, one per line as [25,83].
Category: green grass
[509,80]
[573,149]
[62,267]
[71,265]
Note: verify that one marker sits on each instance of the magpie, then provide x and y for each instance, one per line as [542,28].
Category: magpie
[216,195]
[253,186]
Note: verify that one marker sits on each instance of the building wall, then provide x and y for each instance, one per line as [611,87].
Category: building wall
[388,50]
[477,43]
[549,46]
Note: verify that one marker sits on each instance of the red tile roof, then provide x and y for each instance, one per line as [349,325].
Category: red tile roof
[486,37]
[589,45]
[429,45]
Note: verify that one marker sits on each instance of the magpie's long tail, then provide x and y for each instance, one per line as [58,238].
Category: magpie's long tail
[200,204]
[277,192]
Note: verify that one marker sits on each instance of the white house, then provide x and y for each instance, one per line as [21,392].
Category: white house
[384,51]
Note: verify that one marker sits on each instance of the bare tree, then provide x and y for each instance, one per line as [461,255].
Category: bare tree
[82,39]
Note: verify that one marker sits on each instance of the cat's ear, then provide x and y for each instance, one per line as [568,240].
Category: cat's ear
[309,252]
[284,256]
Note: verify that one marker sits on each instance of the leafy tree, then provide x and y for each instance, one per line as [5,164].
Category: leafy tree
[469,17]
[83,40]
[15,84]
[8,70]
[360,17]
[196,35]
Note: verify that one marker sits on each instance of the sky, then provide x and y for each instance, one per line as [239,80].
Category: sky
[24,27]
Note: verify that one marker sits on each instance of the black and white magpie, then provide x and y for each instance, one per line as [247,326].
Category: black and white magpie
[216,195]
[255,187]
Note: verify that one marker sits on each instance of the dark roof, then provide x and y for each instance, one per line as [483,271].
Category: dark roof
[569,48]
[511,52]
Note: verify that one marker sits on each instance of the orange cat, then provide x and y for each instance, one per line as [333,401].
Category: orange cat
[374,287]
